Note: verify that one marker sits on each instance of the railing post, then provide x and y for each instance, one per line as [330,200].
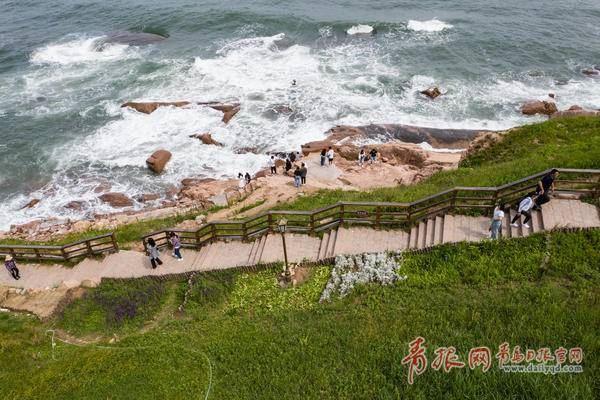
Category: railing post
[312,223]
[213,231]
[197,235]
[341,214]
[37,254]
[377,216]
[244,231]
[114,242]
[64,253]
[270,221]
[89,248]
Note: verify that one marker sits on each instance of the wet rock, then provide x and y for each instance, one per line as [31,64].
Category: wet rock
[116,200]
[576,111]
[158,160]
[206,138]
[432,92]
[228,110]
[130,38]
[147,197]
[32,203]
[261,174]
[539,107]
[103,187]
[590,71]
[74,205]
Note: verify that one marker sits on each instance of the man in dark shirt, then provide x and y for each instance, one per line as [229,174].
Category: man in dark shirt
[303,172]
[546,186]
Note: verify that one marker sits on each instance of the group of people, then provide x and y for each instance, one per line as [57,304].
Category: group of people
[243,180]
[292,161]
[362,157]
[533,201]
[154,252]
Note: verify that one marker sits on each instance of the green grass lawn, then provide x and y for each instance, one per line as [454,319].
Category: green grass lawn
[245,338]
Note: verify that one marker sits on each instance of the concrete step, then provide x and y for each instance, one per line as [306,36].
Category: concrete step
[260,250]
[515,232]
[331,244]
[448,231]
[323,246]
[537,221]
[253,251]
[506,231]
[430,232]
[438,236]
[422,237]
[412,237]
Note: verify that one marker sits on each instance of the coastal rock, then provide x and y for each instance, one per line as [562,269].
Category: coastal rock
[116,200]
[103,187]
[539,107]
[590,71]
[206,138]
[228,110]
[32,203]
[158,160]
[147,197]
[576,111]
[432,92]
[74,205]
[246,150]
[129,38]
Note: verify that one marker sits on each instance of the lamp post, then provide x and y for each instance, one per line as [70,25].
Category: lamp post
[282,226]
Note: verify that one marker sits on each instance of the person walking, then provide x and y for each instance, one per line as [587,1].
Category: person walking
[248,178]
[330,155]
[176,243]
[272,165]
[373,155]
[545,187]
[297,177]
[303,173]
[241,181]
[153,253]
[361,157]
[288,165]
[323,157]
[292,157]
[11,266]
[496,225]
[524,209]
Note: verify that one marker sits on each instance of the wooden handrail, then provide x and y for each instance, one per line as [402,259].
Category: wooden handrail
[338,213]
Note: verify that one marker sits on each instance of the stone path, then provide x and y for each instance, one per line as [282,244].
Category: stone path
[269,248]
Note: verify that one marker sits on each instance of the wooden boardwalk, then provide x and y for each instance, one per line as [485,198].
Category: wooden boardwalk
[559,213]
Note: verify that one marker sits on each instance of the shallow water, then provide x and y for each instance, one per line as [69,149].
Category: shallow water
[62,130]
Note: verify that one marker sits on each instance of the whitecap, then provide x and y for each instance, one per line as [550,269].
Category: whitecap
[432,25]
[361,30]
[80,50]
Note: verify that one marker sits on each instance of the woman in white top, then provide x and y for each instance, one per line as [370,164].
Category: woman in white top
[524,209]
[330,155]
[242,181]
[361,157]
[496,225]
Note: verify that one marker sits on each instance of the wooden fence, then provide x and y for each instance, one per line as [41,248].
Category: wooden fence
[85,248]
[382,215]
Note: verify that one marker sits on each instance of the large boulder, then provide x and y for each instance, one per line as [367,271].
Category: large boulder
[158,160]
[432,92]
[116,200]
[576,111]
[206,138]
[539,107]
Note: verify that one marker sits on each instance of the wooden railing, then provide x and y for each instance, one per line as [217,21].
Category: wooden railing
[85,248]
[378,215]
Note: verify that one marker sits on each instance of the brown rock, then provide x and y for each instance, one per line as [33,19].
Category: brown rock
[228,110]
[575,108]
[261,174]
[279,163]
[146,197]
[116,200]
[590,71]
[32,203]
[158,160]
[103,187]
[149,108]
[432,92]
[576,111]
[539,107]
[206,138]
[74,205]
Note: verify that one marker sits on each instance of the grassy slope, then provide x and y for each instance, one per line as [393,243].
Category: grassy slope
[267,343]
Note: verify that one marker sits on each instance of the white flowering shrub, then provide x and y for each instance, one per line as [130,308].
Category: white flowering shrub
[349,271]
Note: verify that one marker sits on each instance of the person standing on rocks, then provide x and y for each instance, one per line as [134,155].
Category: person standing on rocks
[373,155]
[288,165]
[153,253]
[297,177]
[292,157]
[330,155]
[496,225]
[303,173]
[361,157]
[272,165]
[248,178]
[323,157]
[11,266]
[242,181]
[176,243]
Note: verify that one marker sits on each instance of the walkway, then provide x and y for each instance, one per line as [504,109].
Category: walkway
[267,249]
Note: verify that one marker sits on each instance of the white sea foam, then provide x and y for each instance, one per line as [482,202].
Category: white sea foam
[428,147]
[432,25]
[80,50]
[360,30]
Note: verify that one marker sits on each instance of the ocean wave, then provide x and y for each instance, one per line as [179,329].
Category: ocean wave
[80,51]
[360,30]
[432,25]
